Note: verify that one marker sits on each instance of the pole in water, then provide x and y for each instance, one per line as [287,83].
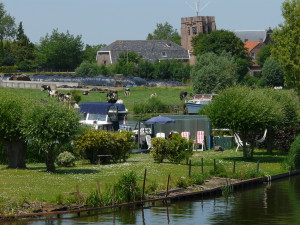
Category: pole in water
[167,192]
[144,183]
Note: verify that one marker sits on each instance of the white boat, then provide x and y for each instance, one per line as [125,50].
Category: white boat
[102,115]
[200,100]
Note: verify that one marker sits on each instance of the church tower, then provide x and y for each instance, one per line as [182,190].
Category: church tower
[191,26]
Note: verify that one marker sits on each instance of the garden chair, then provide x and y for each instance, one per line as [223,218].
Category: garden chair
[186,135]
[160,135]
[238,141]
[199,140]
[148,141]
[261,140]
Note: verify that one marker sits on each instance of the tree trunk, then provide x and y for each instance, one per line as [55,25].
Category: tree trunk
[50,159]
[15,150]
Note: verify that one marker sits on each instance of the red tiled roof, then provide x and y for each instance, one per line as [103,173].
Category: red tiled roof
[250,45]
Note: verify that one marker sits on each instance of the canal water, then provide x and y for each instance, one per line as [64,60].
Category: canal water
[274,203]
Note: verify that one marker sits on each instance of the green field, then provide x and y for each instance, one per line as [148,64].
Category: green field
[168,95]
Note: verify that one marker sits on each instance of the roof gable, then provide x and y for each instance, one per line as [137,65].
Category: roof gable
[250,45]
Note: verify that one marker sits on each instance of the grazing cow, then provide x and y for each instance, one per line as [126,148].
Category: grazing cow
[53,93]
[61,97]
[127,91]
[119,101]
[112,96]
[183,95]
[67,97]
[86,93]
[154,95]
[45,87]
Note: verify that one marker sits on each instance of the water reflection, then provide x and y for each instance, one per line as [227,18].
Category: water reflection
[275,203]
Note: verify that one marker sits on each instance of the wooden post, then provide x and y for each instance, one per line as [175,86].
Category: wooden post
[167,192]
[139,133]
[257,168]
[78,194]
[202,165]
[144,184]
[99,189]
[234,166]
[215,166]
[190,168]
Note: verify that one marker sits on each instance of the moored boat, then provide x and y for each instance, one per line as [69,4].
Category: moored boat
[198,102]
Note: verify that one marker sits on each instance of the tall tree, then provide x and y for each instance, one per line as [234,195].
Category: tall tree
[272,74]
[213,73]
[286,40]
[60,51]
[165,32]
[90,52]
[7,28]
[222,40]
[23,50]
[246,112]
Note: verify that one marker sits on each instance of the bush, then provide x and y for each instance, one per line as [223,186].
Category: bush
[8,69]
[126,188]
[220,171]
[153,105]
[292,161]
[76,95]
[160,149]
[98,142]
[88,69]
[179,148]
[66,159]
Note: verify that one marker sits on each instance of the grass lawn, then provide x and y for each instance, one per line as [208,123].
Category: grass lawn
[34,184]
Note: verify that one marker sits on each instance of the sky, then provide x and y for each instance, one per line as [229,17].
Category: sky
[105,21]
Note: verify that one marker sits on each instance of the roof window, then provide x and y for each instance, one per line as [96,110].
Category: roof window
[164,54]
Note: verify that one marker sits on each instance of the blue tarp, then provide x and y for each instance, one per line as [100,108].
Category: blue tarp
[99,107]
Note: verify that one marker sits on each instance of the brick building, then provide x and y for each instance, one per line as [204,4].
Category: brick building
[191,26]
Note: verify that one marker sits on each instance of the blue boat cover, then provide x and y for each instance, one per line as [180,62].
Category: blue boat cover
[99,107]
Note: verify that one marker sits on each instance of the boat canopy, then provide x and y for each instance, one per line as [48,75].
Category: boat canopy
[95,107]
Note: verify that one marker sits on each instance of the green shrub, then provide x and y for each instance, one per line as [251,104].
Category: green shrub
[182,182]
[160,149]
[179,148]
[94,199]
[8,69]
[126,188]
[292,161]
[88,69]
[220,170]
[152,105]
[66,159]
[99,142]
[198,179]
[76,95]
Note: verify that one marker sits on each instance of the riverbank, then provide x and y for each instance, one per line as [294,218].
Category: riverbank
[35,191]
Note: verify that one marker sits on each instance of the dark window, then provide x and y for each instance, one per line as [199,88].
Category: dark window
[194,30]
[104,61]
[164,54]
[189,31]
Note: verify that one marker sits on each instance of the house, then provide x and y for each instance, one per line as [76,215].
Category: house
[150,50]
[254,40]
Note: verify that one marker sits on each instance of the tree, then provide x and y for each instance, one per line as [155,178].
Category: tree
[90,52]
[272,74]
[12,112]
[264,53]
[23,50]
[222,40]
[60,51]
[286,41]
[165,32]
[246,112]
[7,27]
[50,125]
[213,73]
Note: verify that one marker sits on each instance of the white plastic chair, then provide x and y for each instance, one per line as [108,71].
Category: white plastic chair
[199,140]
[261,140]
[148,141]
[186,135]
[238,141]
[160,135]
